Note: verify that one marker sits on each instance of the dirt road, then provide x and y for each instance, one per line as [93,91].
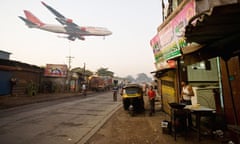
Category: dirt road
[140,129]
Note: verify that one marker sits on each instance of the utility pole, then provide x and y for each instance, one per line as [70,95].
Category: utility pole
[84,72]
[69,68]
[69,58]
[69,61]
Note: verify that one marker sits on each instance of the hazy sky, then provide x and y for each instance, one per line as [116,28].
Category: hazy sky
[126,52]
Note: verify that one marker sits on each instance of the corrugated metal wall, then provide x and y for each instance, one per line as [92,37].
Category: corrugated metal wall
[5,77]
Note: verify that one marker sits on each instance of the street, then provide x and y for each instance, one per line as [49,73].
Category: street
[122,128]
[70,121]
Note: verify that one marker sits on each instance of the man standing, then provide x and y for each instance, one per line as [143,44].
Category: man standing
[151,96]
[186,93]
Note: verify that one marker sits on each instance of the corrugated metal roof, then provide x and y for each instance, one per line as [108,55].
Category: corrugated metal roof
[15,65]
[215,24]
[218,27]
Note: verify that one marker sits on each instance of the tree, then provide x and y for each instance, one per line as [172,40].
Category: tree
[130,78]
[104,72]
[82,71]
[142,77]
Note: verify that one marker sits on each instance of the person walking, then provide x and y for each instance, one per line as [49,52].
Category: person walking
[115,92]
[151,96]
[84,89]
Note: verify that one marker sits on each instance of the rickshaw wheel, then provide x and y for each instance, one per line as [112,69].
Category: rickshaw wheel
[126,104]
[131,110]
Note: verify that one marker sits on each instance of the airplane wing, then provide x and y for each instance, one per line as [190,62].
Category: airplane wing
[59,17]
[72,28]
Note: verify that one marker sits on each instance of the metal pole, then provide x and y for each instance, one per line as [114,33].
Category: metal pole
[84,71]
[220,82]
[69,57]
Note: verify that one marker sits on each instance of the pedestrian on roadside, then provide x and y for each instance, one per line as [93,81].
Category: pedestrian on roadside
[115,92]
[144,89]
[151,96]
[186,93]
[13,82]
[84,89]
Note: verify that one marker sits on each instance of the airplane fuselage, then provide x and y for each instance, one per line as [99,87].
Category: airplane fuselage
[98,31]
[68,27]
[88,31]
[53,28]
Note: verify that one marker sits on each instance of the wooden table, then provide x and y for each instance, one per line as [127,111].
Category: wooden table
[201,111]
[181,115]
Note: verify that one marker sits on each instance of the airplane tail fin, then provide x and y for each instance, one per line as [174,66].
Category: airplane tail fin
[28,23]
[30,17]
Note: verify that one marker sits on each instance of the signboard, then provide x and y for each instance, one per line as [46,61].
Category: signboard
[55,70]
[166,64]
[169,40]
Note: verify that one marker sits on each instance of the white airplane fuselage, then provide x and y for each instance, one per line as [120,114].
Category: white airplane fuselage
[68,27]
[53,28]
[95,31]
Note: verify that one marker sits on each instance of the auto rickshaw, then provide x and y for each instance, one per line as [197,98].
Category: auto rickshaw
[132,97]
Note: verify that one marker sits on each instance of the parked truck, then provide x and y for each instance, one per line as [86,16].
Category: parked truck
[100,83]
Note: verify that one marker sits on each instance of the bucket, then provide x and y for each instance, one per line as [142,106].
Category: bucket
[166,127]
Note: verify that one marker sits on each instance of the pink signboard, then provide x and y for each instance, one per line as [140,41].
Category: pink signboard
[169,40]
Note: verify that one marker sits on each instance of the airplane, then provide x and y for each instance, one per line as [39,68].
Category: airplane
[68,27]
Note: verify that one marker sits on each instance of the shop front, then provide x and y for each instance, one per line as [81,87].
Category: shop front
[198,43]
[217,31]
[167,46]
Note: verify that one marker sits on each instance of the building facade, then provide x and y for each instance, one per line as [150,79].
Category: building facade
[197,42]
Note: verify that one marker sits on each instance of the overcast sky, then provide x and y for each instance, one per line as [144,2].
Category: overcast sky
[126,52]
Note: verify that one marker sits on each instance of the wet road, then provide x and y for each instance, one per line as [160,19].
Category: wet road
[71,121]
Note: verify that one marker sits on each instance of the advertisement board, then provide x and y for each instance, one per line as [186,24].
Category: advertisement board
[55,70]
[169,40]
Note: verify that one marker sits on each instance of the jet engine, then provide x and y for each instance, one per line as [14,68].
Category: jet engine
[64,20]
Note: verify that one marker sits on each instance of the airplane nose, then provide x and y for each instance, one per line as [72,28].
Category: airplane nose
[109,33]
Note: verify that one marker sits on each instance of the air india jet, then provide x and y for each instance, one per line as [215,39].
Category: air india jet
[68,27]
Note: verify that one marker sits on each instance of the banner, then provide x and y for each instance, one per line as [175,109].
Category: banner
[169,40]
[56,70]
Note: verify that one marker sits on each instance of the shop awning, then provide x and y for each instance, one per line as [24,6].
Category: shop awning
[191,48]
[158,73]
[217,29]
